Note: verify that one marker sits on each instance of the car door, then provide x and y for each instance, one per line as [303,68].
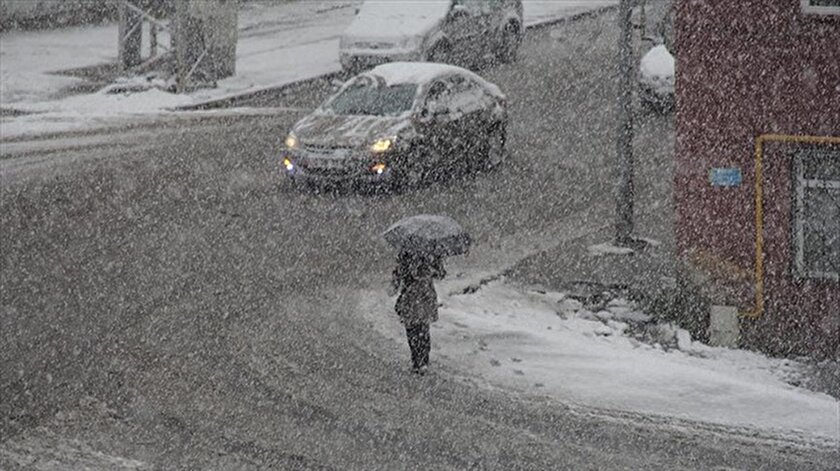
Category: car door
[435,126]
[445,124]
[473,109]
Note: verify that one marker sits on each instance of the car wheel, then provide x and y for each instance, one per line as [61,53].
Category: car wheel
[496,154]
[511,39]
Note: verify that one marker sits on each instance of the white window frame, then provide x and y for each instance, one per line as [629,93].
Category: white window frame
[800,184]
[807,8]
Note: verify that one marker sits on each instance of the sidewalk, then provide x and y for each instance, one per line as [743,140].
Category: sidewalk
[279,44]
[562,324]
[542,344]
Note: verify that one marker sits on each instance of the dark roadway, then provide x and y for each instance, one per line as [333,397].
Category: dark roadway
[166,299]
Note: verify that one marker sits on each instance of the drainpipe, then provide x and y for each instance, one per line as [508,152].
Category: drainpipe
[758,309]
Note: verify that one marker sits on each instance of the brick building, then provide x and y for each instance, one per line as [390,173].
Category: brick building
[757,174]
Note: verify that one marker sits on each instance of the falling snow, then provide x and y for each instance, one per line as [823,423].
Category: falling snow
[173,295]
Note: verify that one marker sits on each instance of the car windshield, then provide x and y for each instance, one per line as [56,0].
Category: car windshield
[366,97]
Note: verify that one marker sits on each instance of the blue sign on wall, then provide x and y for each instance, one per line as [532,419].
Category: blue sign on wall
[725,176]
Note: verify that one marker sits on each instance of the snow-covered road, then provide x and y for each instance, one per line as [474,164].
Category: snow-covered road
[169,305]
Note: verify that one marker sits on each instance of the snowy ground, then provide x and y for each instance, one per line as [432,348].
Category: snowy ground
[278,44]
[546,345]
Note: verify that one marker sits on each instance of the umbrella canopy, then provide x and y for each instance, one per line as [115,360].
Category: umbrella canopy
[430,234]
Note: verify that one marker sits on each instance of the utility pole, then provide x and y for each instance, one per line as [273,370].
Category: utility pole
[130,35]
[205,41]
[624,193]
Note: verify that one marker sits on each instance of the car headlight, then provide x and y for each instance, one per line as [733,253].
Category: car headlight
[382,145]
[292,141]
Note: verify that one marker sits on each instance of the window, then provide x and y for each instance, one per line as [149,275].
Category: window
[463,95]
[365,96]
[817,213]
[821,7]
[438,94]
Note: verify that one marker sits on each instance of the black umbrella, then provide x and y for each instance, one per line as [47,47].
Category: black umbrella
[430,234]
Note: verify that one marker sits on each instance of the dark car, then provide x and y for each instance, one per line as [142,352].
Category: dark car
[400,123]
[461,32]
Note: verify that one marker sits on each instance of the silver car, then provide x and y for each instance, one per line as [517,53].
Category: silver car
[460,32]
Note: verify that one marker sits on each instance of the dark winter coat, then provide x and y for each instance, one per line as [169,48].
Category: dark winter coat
[413,276]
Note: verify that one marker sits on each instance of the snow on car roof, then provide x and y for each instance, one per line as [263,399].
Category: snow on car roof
[390,19]
[657,62]
[396,73]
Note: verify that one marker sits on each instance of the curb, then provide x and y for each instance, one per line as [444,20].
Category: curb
[229,100]
[574,17]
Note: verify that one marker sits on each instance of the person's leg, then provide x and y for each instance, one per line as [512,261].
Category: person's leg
[413,332]
[424,344]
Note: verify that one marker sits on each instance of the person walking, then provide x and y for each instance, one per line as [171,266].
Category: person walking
[417,304]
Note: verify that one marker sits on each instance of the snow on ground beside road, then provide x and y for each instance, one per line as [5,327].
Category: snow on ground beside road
[84,111]
[540,11]
[533,343]
[106,104]
[28,57]
[278,44]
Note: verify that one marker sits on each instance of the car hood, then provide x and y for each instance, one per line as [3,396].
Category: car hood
[395,21]
[326,130]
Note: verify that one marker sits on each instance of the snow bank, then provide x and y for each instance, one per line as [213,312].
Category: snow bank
[543,344]
[104,103]
[541,11]
[28,59]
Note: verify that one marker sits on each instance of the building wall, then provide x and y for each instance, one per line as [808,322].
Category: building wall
[746,68]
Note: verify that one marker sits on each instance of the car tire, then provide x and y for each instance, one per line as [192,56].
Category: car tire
[495,153]
[511,39]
